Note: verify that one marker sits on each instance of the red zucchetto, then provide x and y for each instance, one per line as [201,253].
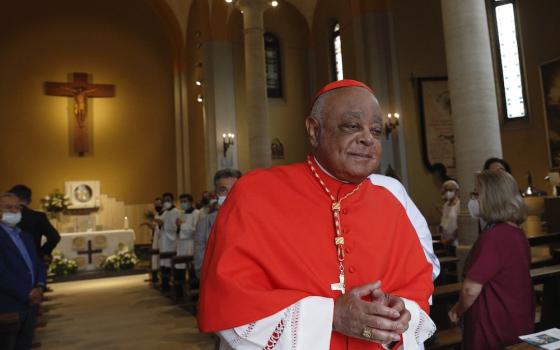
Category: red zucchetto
[340,84]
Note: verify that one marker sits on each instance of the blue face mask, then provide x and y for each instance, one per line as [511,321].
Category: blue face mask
[185,206]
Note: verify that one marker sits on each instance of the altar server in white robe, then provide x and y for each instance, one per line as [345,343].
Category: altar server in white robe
[158,207]
[185,242]
[169,234]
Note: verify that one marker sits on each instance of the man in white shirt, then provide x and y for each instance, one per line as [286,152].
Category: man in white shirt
[168,236]
[185,242]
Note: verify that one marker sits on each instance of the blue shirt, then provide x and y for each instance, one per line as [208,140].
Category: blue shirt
[14,234]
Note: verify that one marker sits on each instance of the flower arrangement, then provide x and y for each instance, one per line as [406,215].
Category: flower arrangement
[122,260]
[55,203]
[62,266]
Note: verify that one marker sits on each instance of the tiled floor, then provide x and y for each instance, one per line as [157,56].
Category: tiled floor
[117,313]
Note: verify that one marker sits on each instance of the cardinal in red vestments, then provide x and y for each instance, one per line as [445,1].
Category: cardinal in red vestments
[313,255]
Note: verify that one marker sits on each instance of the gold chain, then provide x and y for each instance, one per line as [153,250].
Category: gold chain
[335,207]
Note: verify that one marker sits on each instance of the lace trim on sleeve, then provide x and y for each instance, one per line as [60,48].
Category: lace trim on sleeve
[243,336]
[294,324]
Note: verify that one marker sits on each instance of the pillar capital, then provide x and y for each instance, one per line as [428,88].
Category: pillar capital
[253,6]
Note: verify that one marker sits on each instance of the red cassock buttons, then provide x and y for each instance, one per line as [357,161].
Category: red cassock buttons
[344,211]
[351,269]
[347,250]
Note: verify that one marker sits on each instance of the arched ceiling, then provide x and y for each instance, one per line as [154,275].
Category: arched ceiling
[181,10]
[306,7]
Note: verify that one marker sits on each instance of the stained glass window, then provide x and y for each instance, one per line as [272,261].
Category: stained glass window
[509,61]
[337,67]
[272,62]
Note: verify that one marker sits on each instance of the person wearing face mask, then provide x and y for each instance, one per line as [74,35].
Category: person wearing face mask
[450,212]
[37,224]
[156,236]
[168,236]
[185,242]
[223,182]
[496,301]
[22,276]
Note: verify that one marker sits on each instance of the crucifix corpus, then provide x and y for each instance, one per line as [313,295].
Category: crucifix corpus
[80,90]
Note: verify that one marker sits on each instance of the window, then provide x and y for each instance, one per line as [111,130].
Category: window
[336,49]
[508,58]
[272,62]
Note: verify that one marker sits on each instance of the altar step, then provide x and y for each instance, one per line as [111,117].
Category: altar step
[88,275]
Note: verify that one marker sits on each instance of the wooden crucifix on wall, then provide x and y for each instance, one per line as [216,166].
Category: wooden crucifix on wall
[80,90]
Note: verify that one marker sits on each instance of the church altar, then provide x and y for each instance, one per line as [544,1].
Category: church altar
[90,249]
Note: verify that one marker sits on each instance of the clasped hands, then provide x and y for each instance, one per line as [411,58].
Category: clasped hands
[36,296]
[381,320]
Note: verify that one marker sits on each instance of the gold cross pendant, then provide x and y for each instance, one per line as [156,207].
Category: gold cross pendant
[340,285]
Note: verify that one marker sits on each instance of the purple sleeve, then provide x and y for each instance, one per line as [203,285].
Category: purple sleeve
[486,260]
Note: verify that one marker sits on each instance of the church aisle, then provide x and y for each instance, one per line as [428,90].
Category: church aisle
[116,313]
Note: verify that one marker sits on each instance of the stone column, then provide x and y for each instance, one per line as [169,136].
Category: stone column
[382,76]
[255,82]
[219,102]
[473,99]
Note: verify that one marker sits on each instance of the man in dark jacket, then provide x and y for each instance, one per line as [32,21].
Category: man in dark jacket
[22,276]
[36,223]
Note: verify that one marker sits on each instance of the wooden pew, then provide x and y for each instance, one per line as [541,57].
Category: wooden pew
[544,239]
[448,272]
[552,240]
[436,243]
[542,261]
[165,255]
[446,339]
[179,293]
[549,277]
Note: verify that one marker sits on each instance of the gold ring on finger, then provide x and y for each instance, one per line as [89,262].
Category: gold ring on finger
[367,333]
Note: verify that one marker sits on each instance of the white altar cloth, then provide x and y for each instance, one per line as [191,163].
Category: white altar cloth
[90,249]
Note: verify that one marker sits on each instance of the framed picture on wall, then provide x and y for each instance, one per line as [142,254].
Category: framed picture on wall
[550,77]
[83,194]
[436,124]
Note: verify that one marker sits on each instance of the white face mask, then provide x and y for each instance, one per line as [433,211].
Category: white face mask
[221,200]
[167,205]
[11,219]
[449,195]
[474,208]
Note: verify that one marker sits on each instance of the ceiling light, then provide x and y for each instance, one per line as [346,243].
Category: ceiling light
[199,98]
[274,3]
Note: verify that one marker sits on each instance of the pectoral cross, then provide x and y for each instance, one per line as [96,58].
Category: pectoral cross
[80,90]
[340,285]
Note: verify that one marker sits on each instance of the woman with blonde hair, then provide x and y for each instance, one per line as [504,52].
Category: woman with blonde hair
[496,298]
